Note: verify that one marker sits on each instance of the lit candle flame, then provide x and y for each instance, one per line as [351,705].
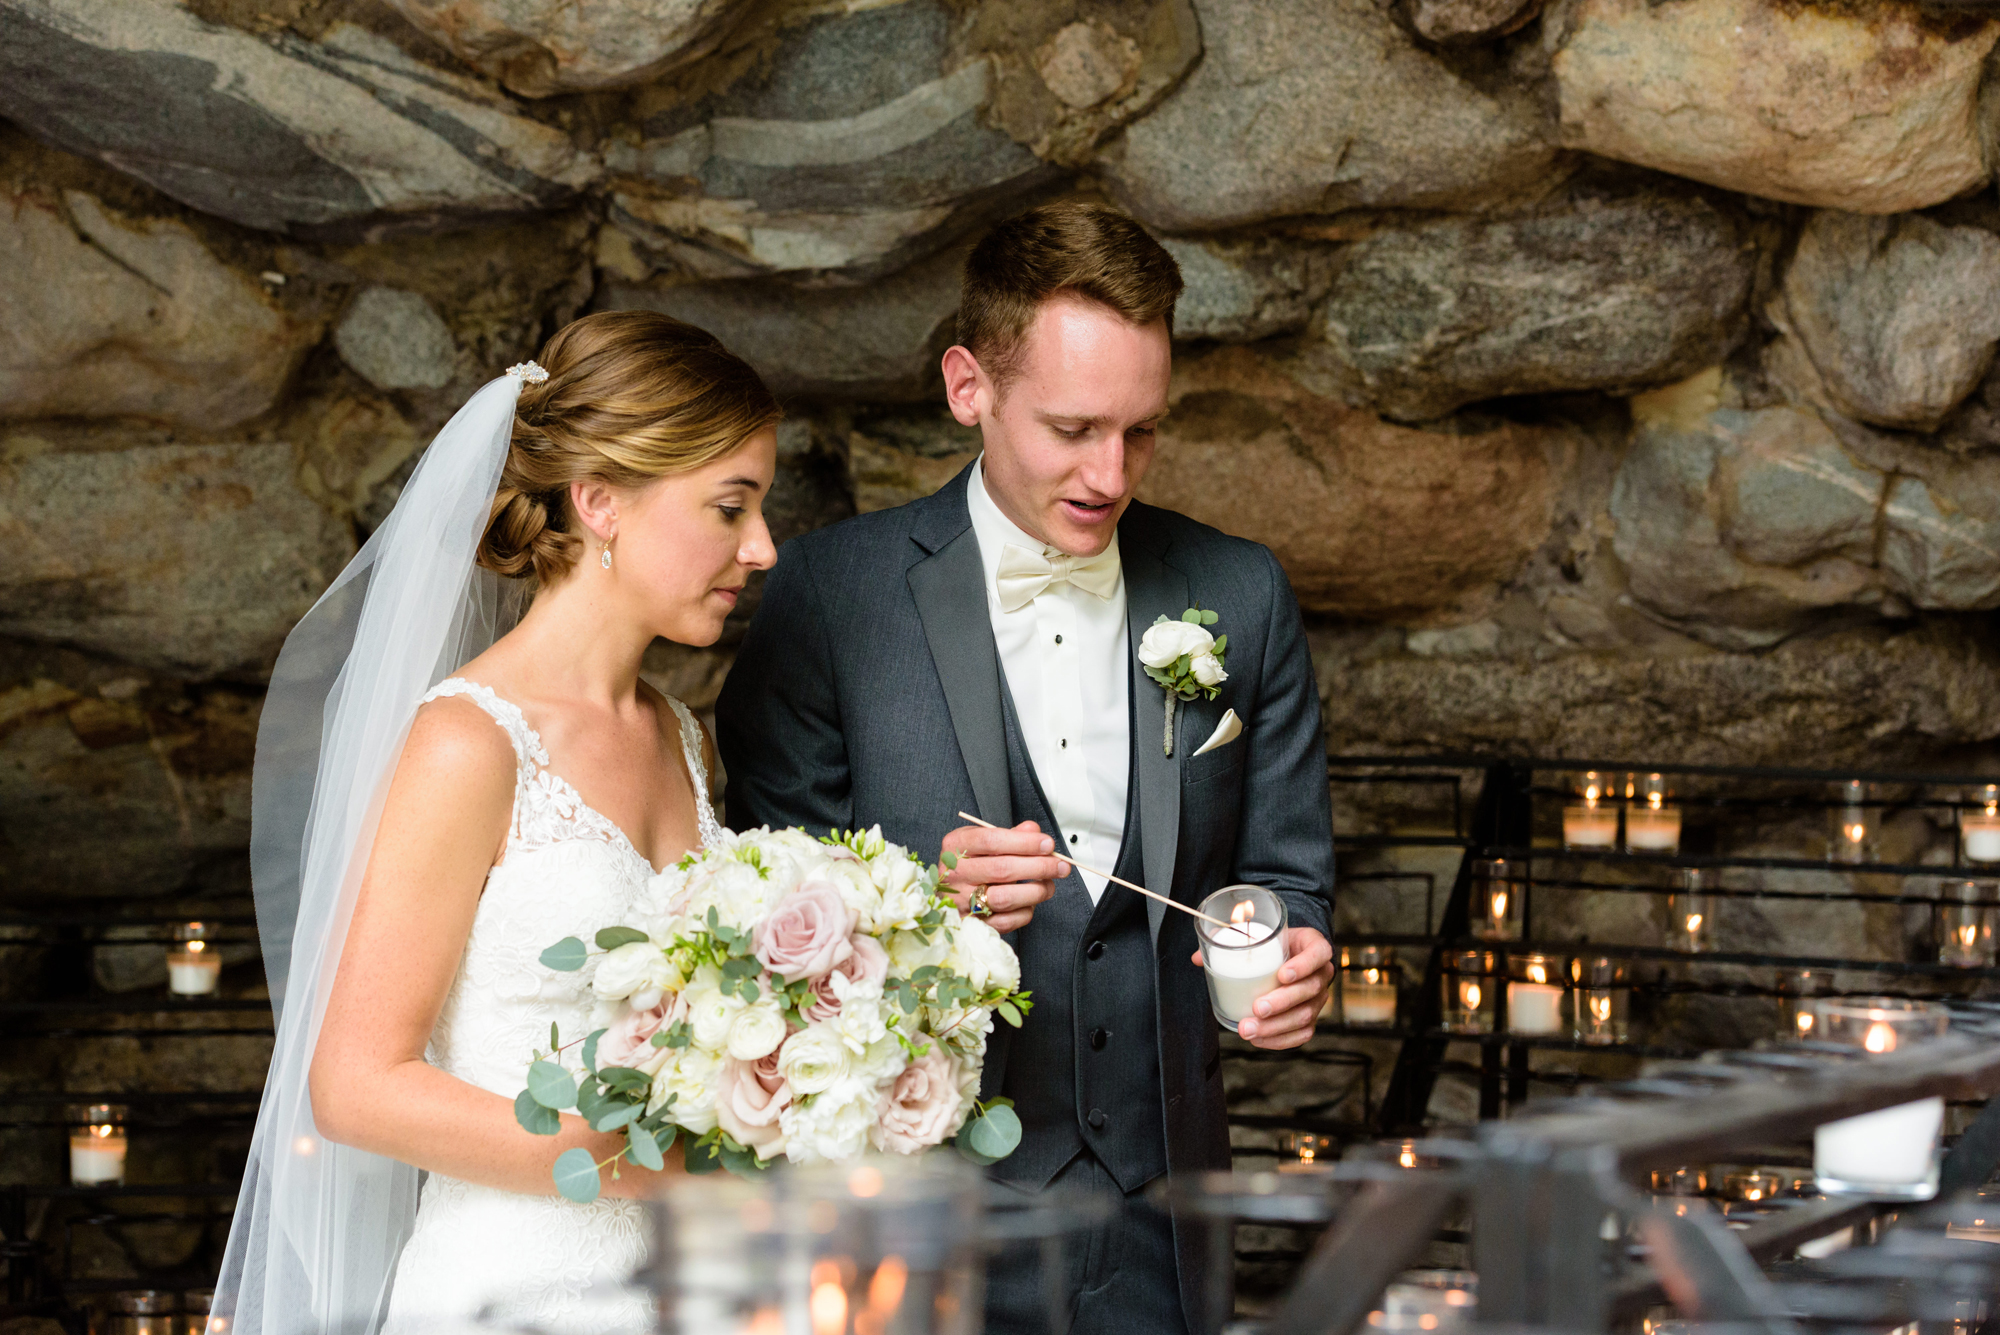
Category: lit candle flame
[1600,1009]
[1243,912]
[1881,1038]
[1856,832]
[885,1291]
[1499,905]
[103,1131]
[1654,800]
[1754,1194]
[1693,923]
[1306,1153]
[1469,994]
[1968,935]
[1537,974]
[1408,1158]
[196,947]
[1805,1022]
[1591,793]
[828,1303]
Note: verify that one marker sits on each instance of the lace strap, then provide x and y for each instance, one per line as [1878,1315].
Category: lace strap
[691,745]
[529,753]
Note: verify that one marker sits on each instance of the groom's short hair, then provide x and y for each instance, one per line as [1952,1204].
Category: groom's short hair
[1086,250]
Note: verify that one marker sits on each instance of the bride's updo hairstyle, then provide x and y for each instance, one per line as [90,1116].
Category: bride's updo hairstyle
[632,396]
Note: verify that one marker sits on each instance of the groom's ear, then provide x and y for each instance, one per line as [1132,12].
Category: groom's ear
[966,388]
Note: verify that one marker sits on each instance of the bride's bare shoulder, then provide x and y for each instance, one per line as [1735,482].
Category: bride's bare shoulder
[455,741]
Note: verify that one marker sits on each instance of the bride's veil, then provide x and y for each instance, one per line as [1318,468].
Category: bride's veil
[319,1226]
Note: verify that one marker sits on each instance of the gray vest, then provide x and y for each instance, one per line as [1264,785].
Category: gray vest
[1084,1070]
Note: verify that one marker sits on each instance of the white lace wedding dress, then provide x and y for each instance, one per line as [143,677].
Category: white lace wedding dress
[535,1262]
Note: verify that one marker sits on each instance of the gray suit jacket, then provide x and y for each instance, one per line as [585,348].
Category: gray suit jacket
[868,692]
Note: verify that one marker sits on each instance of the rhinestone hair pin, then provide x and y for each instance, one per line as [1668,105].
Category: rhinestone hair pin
[528,371]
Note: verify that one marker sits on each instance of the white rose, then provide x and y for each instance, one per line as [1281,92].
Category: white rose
[1165,641]
[1207,670]
[832,1127]
[737,891]
[710,1013]
[984,957]
[909,952]
[813,1060]
[691,1077]
[636,967]
[757,1030]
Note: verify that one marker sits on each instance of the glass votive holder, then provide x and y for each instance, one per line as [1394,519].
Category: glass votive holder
[1367,983]
[194,1307]
[193,966]
[1964,920]
[1603,1000]
[1979,824]
[1691,911]
[1499,899]
[1653,825]
[1242,935]
[1305,1151]
[1591,825]
[145,1312]
[1755,1185]
[97,1145]
[1798,991]
[1851,822]
[1890,1153]
[1680,1181]
[1430,1300]
[1535,991]
[1471,992]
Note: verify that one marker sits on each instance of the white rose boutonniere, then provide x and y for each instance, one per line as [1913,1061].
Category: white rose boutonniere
[1185,659]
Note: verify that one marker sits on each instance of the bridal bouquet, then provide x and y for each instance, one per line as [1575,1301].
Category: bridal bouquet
[783,995]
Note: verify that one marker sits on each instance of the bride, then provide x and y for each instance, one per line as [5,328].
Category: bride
[442,792]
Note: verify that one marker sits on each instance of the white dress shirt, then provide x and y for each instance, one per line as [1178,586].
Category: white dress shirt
[1063,656]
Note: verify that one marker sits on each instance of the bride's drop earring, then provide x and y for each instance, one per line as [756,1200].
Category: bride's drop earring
[604,556]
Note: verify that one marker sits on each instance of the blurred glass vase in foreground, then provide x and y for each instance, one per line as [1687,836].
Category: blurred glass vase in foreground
[1891,1153]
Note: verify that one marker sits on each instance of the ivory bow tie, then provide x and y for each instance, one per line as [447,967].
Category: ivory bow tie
[1023,574]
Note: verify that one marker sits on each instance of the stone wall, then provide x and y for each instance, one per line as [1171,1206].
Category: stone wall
[1615,378]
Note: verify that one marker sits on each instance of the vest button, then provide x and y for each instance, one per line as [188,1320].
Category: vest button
[1098,1038]
[1095,950]
[1096,1119]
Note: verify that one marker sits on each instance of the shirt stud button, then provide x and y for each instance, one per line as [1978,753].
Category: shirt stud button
[1058,639]
[1072,838]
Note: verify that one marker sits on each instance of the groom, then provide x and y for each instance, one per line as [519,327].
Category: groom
[976,651]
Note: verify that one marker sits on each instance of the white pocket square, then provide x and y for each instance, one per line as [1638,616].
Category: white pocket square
[1225,732]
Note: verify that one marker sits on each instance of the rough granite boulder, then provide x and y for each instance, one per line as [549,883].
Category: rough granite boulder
[1603,294]
[104,316]
[1870,109]
[539,47]
[395,339]
[1738,525]
[881,340]
[273,131]
[1242,289]
[1316,106]
[1461,22]
[827,156]
[193,560]
[1888,320]
[1875,695]
[1370,520]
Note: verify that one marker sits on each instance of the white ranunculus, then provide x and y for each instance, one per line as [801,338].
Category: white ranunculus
[1165,641]
[1207,670]
[737,891]
[884,1060]
[637,967]
[909,952]
[757,1029]
[984,957]
[691,1076]
[710,1013]
[857,889]
[813,1060]
[832,1126]
[863,1019]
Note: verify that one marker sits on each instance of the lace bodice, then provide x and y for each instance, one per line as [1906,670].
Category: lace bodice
[567,870]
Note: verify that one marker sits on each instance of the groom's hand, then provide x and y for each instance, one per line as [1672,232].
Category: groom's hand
[1017,867]
[1286,1015]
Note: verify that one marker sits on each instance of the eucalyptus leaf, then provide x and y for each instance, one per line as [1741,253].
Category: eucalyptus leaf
[552,1086]
[702,1157]
[996,1134]
[1210,618]
[593,1099]
[982,1160]
[555,1039]
[1192,616]
[590,1050]
[610,938]
[566,955]
[645,1150]
[625,1079]
[1010,1013]
[576,1176]
[624,1115]
[533,1117]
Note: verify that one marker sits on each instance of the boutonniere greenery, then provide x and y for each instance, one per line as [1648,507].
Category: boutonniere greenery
[1185,659]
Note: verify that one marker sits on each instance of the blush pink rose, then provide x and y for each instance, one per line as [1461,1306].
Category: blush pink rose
[628,1041]
[748,1098]
[868,964]
[806,935]
[923,1104]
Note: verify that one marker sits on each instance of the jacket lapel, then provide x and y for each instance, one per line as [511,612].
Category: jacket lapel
[949,588]
[1153,589]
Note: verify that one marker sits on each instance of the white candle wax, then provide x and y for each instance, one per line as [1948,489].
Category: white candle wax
[1982,838]
[1894,1148]
[1368,1003]
[190,974]
[1590,827]
[96,1160]
[1237,977]
[1534,1008]
[1653,829]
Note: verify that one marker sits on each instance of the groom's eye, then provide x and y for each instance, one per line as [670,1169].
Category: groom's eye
[1071,432]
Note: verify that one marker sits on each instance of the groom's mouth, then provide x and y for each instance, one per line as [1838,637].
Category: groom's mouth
[1087,512]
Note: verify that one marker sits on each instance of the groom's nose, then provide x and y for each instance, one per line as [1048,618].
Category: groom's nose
[1103,466]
